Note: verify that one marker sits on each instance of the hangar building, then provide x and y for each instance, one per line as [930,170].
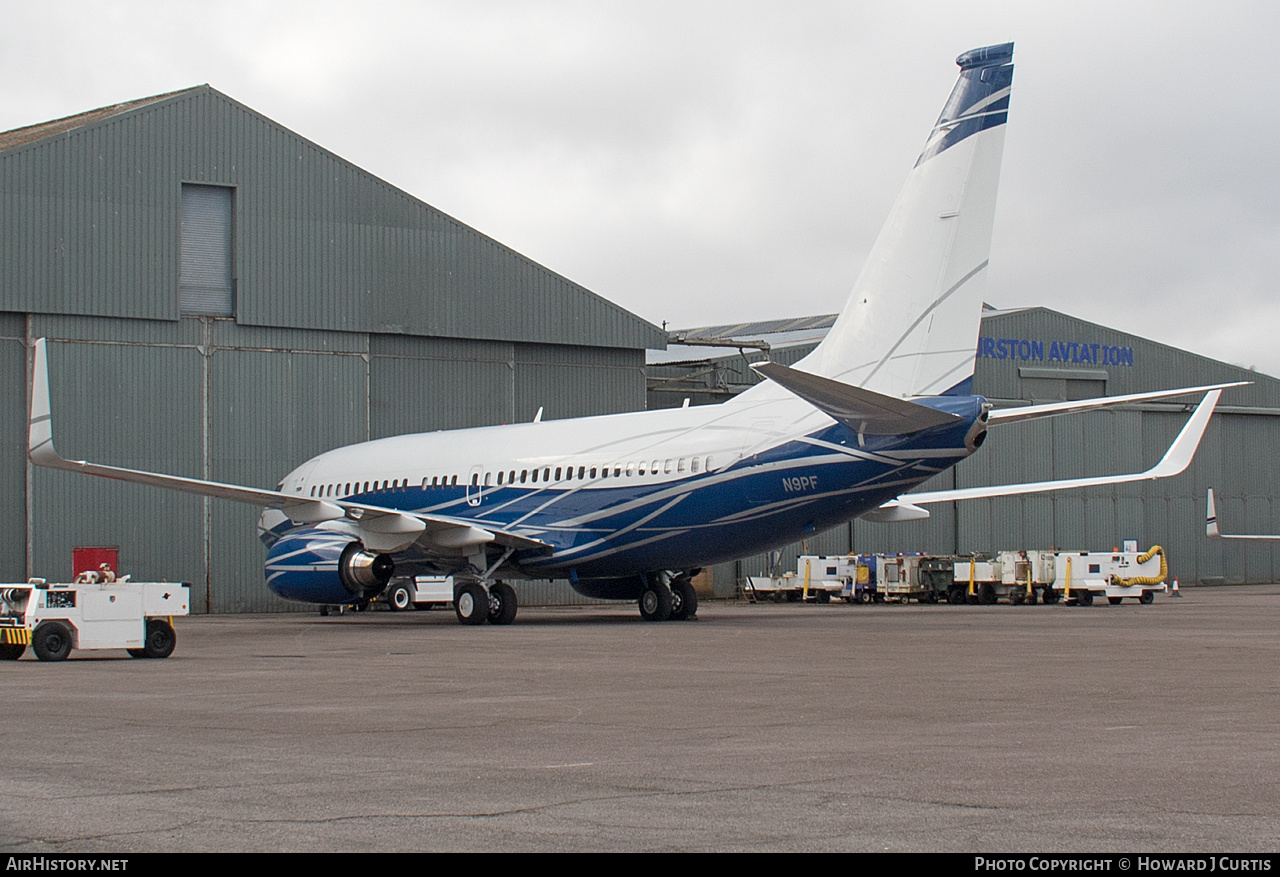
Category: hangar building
[224,299]
[1038,355]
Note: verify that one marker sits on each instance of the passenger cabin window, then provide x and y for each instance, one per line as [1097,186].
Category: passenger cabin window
[693,465]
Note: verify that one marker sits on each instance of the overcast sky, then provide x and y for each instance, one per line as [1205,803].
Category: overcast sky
[709,162]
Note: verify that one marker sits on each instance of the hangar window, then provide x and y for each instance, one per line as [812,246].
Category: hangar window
[206,281]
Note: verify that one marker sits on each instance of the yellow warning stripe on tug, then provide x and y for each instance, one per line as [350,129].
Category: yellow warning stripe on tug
[15,636]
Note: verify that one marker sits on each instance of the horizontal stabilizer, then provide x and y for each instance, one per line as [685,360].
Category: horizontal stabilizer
[382,529]
[863,411]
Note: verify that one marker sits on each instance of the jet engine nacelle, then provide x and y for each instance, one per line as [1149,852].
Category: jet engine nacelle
[321,566]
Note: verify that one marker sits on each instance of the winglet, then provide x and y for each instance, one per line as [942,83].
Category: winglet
[1211,519]
[1183,449]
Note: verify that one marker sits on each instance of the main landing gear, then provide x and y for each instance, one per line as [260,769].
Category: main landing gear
[474,604]
[668,598]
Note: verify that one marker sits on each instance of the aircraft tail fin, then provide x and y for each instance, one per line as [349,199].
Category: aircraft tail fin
[1211,518]
[910,326]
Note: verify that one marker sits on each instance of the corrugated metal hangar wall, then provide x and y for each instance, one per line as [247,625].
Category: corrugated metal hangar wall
[1041,355]
[225,299]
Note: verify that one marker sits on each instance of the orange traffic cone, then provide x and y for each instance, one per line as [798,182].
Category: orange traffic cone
[1175,592]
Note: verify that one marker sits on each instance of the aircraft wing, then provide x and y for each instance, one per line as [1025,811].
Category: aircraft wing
[382,529]
[1175,460]
[1211,525]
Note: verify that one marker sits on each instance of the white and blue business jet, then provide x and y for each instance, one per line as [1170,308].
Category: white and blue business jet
[631,506]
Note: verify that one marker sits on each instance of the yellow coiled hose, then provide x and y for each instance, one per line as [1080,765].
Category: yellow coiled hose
[1147,580]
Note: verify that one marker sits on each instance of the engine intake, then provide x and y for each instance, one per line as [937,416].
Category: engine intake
[321,566]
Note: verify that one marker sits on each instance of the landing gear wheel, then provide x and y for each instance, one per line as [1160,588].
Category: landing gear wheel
[684,600]
[1114,601]
[471,603]
[400,597]
[158,641]
[1147,597]
[51,641]
[502,603]
[11,651]
[656,602]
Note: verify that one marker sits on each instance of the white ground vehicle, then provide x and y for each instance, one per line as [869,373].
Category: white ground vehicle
[419,592]
[1076,576]
[1083,575]
[56,618]
[816,578]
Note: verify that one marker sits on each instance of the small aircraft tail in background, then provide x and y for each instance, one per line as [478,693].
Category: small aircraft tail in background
[1211,525]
